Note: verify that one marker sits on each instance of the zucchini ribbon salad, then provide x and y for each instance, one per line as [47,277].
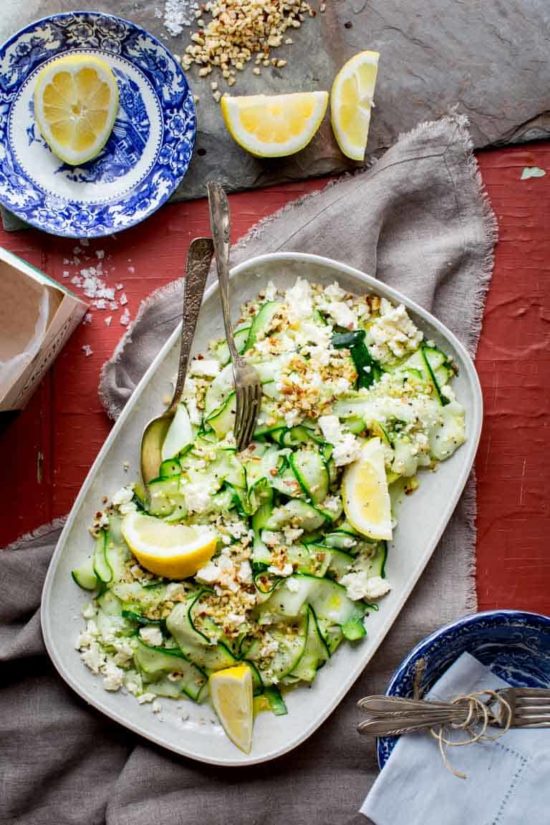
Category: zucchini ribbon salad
[236,576]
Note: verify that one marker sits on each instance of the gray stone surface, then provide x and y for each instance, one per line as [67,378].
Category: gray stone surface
[487,57]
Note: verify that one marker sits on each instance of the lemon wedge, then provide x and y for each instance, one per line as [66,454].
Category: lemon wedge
[75,105]
[365,493]
[272,126]
[351,102]
[231,693]
[175,551]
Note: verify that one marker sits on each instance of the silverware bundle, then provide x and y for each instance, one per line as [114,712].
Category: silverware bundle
[509,707]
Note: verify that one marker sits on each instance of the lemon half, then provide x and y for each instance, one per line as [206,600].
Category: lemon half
[351,102]
[175,551]
[75,105]
[231,693]
[272,126]
[365,493]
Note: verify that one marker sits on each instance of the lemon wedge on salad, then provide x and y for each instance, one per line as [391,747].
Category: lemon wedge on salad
[273,126]
[75,105]
[231,693]
[365,493]
[174,551]
[351,102]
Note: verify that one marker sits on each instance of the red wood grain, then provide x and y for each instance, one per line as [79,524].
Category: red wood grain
[46,451]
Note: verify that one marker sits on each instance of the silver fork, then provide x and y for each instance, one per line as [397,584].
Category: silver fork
[394,715]
[248,388]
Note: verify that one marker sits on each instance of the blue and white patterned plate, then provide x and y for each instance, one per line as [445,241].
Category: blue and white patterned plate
[147,154]
[514,644]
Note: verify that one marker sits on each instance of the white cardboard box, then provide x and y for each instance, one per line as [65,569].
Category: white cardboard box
[37,316]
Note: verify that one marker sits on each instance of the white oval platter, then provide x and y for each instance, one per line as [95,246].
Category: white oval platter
[184,727]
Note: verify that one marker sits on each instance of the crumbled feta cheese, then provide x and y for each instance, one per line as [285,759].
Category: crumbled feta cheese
[113,676]
[299,300]
[146,697]
[156,707]
[271,538]
[334,291]
[342,314]
[208,574]
[151,635]
[197,496]
[132,683]
[204,367]
[93,657]
[174,590]
[393,334]
[124,652]
[346,445]
[292,534]
[123,496]
[270,291]
[269,646]
[360,586]
[89,610]
[235,619]
[293,585]
[285,570]
[244,573]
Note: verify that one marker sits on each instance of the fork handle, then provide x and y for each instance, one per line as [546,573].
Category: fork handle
[199,258]
[221,227]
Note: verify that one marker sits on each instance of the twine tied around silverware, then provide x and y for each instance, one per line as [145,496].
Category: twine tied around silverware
[480,715]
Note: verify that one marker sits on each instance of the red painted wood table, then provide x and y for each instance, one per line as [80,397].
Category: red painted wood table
[45,452]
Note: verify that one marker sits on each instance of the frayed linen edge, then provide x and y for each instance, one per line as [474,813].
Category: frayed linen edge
[37,533]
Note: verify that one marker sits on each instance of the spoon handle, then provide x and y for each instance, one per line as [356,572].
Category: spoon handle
[199,259]
[221,225]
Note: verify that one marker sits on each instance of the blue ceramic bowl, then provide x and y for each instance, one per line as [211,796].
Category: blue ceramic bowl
[513,644]
[149,149]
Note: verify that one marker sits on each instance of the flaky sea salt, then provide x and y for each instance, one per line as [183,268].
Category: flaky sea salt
[177,14]
[108,320]
[87,350]
[125,318]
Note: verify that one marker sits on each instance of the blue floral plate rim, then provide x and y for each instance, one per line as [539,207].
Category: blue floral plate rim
[146,156]
[495,618]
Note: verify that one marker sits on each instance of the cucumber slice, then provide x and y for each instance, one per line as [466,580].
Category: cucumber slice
[136,598]
[311,473]
[85,575]
[285,482]
[222,419]
[219,390]
[299,513]
[164,496]
[275,701]
[262,322]
[353,630]
[311,558]
[339,563]
[261,554]
[116,554]
[291,641]
[377,566]
[179,435]
[315,652]
[221,351]
[300,434]
[155,662]
[170,468]
[194,644]
[449,434]
[102,568]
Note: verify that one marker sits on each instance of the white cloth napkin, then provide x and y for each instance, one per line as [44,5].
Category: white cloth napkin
[508,781]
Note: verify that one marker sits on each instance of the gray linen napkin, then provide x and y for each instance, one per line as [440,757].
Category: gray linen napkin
[418,220]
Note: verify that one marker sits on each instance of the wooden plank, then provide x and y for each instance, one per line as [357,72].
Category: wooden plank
[65,421]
